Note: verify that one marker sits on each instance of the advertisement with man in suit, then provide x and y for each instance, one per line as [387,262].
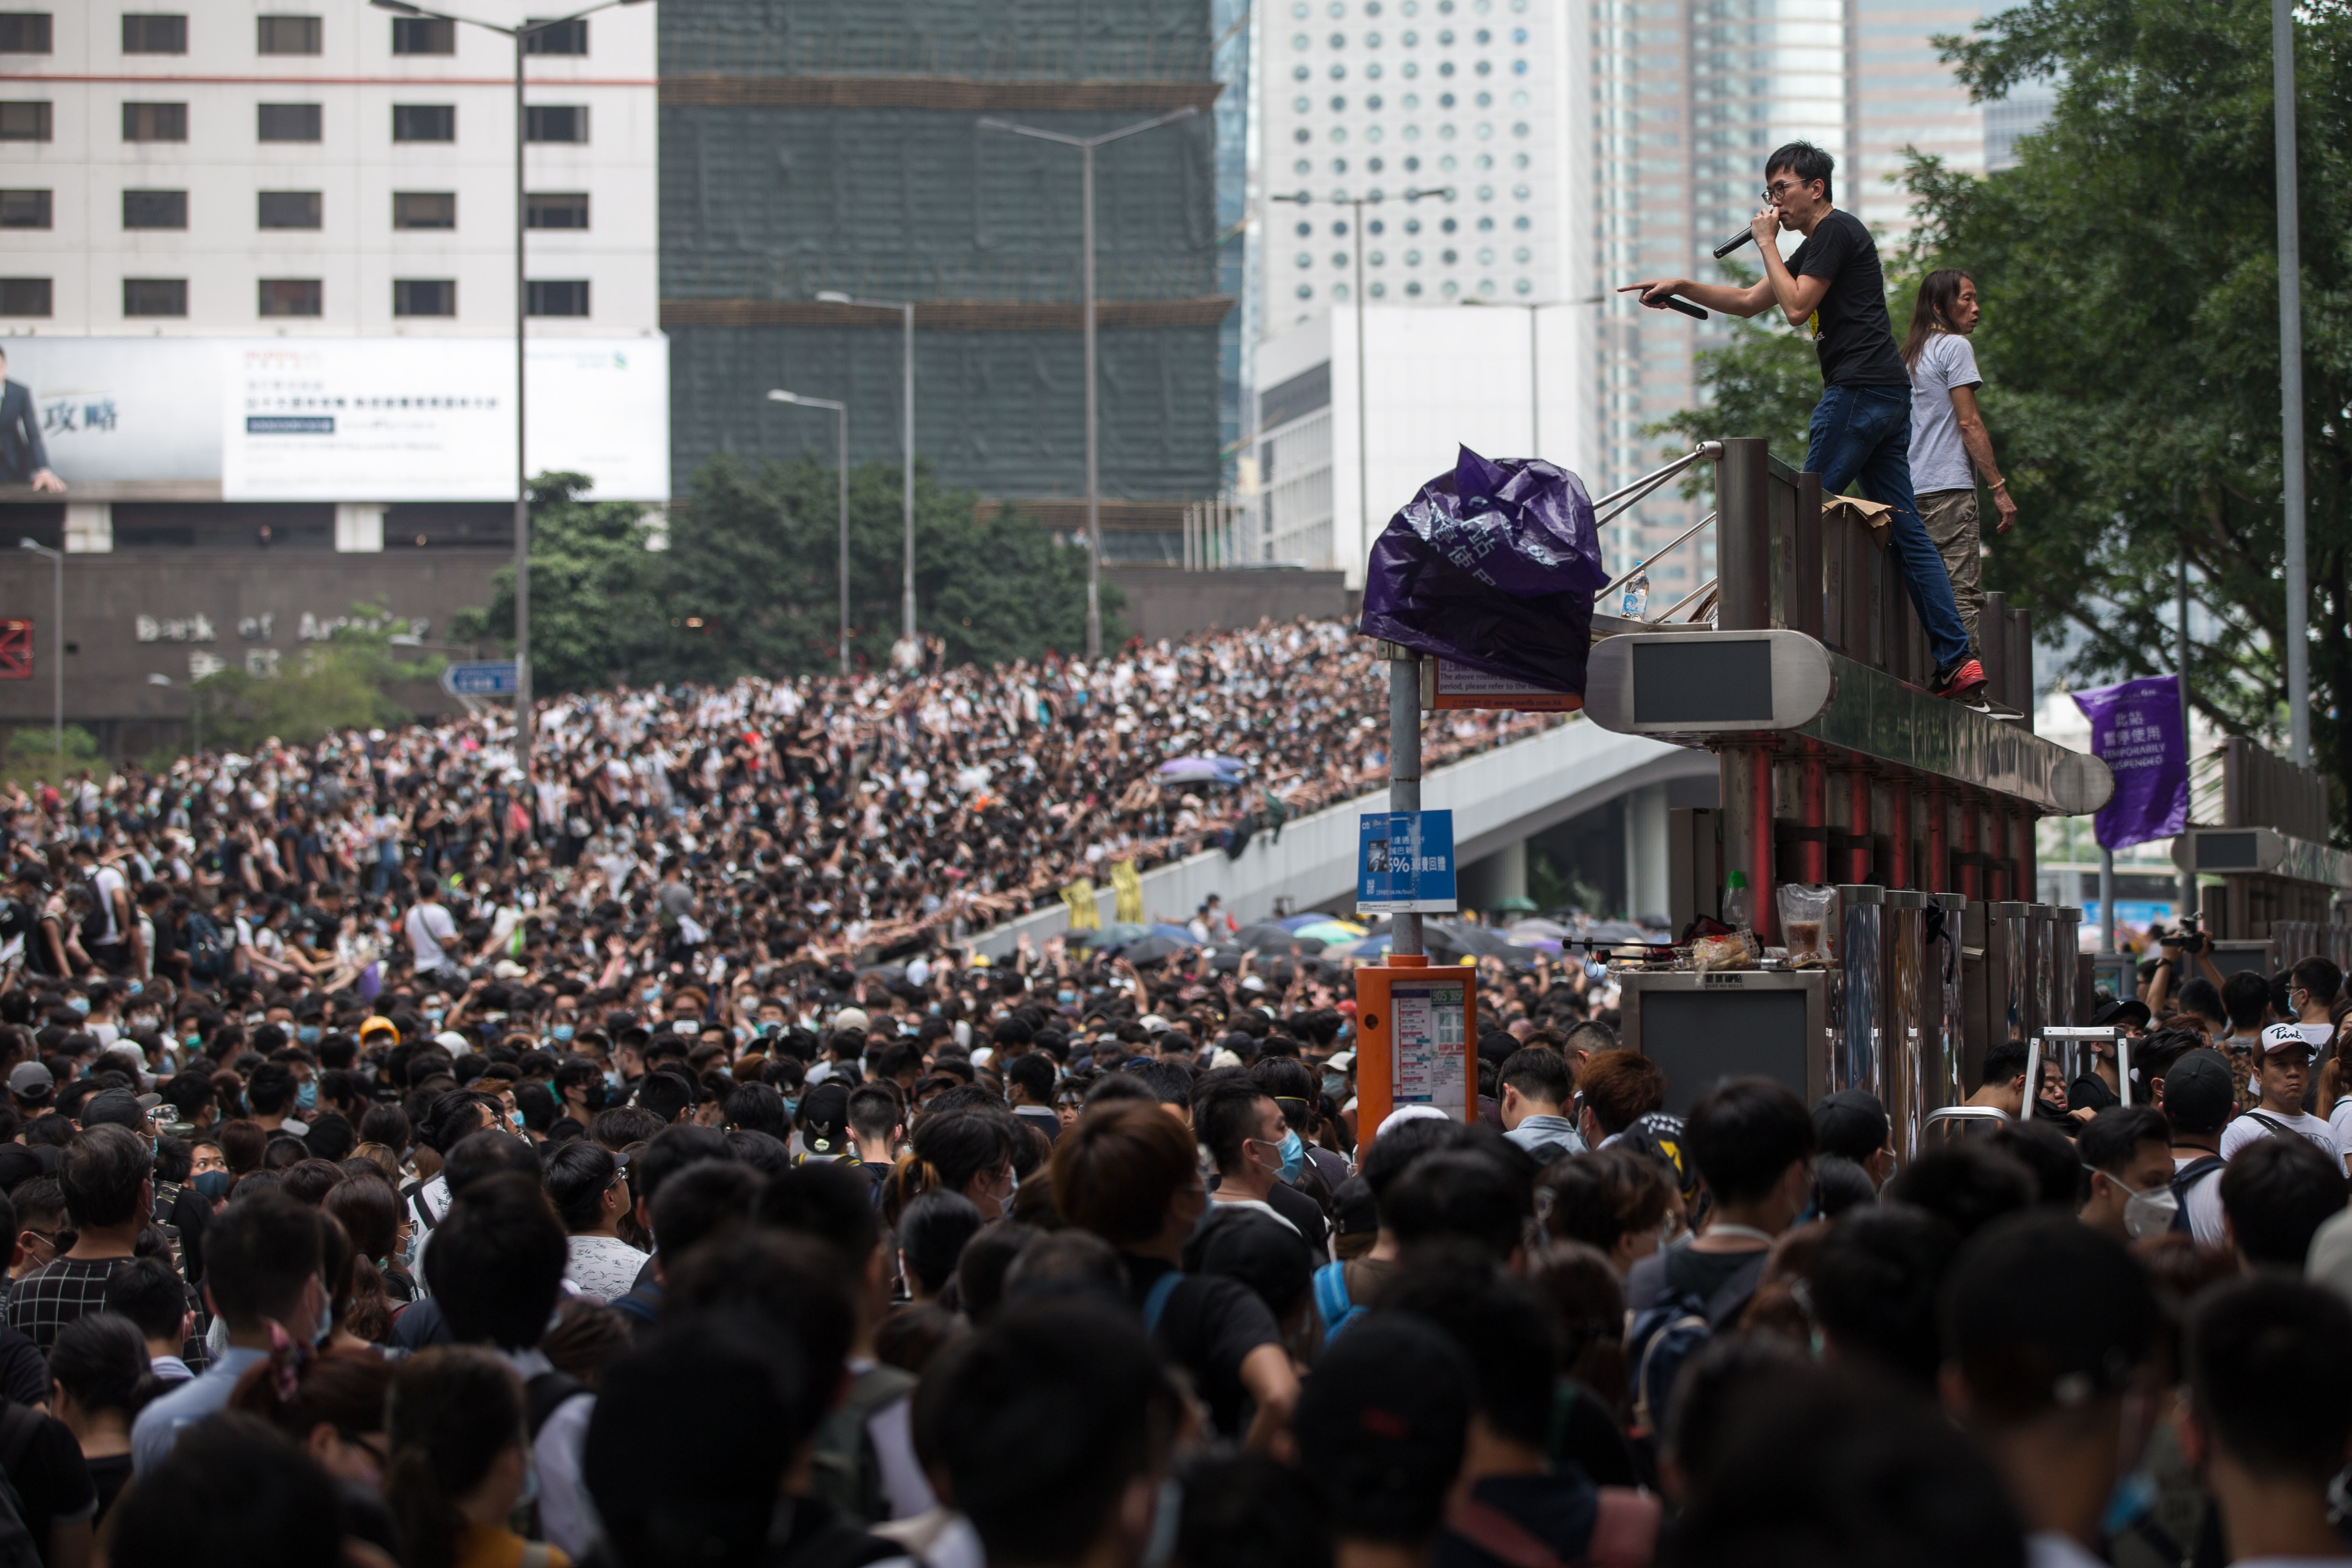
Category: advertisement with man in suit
[23,459]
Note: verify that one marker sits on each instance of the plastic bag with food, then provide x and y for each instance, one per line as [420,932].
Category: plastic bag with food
[1805,919]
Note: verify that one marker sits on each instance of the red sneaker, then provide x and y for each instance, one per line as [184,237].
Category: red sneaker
[1963,684]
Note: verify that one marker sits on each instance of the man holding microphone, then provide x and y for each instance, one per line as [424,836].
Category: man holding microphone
[1833,285]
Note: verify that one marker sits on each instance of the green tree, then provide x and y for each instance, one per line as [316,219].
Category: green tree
[2129,268]
[345,682]
[598,609]
[754,557]
[33,755]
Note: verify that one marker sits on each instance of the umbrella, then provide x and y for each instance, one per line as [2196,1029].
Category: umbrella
[1330,931]
[1202,771]
[1513,905]
[1529,931]
[1270,939]
[1293,922]
[1174,934]
[1152,949]
[1615,931]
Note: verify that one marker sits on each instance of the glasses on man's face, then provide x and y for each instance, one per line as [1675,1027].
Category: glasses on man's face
[1780,188]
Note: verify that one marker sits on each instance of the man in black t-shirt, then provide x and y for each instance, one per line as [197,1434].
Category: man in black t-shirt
[1833,286]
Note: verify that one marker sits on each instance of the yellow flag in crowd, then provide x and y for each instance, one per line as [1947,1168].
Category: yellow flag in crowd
[1129,887]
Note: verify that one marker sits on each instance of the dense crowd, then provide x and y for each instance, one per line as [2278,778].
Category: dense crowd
[513,1194]
[895,808]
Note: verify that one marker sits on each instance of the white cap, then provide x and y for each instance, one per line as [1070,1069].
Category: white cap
[449,1039]
[1224,1057]
[1153,1022]
[849,1018]
[1403,1113]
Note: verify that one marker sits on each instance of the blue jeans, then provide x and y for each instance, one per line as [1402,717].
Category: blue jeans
[1865,434]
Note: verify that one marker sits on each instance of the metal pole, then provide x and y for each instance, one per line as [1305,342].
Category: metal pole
[57,678]
[1535,390]
[2290,270]
[906,459]
[1404,776]
[1364,470]
[2180,663]
[2106,899]
[1094,499]
[842,448]
[522,483]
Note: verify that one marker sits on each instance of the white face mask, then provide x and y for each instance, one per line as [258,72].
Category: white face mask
[2149,1211]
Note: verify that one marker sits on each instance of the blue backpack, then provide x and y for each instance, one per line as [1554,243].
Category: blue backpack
[1671,1329]
[1331,1302]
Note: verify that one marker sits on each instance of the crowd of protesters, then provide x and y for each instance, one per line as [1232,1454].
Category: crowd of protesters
[514,1201]
[890,809]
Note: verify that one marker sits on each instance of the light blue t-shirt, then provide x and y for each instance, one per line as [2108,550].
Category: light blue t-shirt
[157,1426]
[1938,460]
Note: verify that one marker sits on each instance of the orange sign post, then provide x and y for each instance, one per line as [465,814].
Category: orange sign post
[1413,1048]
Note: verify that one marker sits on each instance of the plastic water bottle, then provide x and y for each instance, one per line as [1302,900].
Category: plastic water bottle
[1637,591]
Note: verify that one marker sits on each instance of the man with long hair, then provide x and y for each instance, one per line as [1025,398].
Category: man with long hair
[1947,433]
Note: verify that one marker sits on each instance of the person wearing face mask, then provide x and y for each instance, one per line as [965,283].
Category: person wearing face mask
[264,1263]
[2128,1151]
[1242,1127]
[106,1174]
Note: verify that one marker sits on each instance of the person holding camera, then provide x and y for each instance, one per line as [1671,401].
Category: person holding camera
[1833,285]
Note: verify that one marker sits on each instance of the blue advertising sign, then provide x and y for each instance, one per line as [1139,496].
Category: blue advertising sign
[489,679]
[1404,862]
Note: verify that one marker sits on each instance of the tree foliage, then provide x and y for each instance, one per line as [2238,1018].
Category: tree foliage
[750,581]
[341,683]
[2128,266]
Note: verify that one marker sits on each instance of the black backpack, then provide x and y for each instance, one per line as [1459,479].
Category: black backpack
[2188,1176]
[208,951]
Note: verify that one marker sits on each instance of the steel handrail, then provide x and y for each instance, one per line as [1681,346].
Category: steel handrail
[1678,541]
[1642,487]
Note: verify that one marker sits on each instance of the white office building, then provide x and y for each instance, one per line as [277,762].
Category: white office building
[1460,125]
[263,256]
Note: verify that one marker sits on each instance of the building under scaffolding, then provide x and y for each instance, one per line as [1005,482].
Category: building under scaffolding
[821,145]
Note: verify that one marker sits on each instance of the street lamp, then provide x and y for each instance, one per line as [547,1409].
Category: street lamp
[905,308]
[842,411]
[1086,146]
[57,640]
[521,34]
[1363,460]
[1535,387]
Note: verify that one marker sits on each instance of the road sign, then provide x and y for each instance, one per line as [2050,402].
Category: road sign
[489,679]
[15,650]
[1404,862]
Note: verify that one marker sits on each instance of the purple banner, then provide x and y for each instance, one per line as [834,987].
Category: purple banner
[2135,730]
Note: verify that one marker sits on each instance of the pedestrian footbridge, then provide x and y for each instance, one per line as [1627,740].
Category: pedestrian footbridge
[1499,798]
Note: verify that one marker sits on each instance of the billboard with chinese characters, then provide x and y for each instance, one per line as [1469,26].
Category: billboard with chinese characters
[351,419]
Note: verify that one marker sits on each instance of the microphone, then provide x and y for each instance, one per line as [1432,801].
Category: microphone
[1745,236]
[1695,312]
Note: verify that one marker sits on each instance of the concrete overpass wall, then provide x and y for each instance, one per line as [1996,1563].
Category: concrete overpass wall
[1498,798]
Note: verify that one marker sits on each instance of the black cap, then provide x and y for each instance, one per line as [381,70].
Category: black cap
[1353,1212]
[1851,1122]
[2113,1014]
[825,1121]
[20,1163]
[2199,1091]
[118,1106]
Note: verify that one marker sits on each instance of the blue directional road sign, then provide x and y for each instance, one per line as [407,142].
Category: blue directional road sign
[489,679]
[1404,862]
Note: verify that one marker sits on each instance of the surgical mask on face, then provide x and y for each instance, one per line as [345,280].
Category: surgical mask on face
[191,1040]
[1065,996]
[769,1029]
[1335,1084]
[651,994]
[562,1031]
[612,1077]
[306,1094]
[143,1021]
[2149,1211]
[1294,1155]
[792,1107]
[324,1329]
[78,1004]
[308,1034]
